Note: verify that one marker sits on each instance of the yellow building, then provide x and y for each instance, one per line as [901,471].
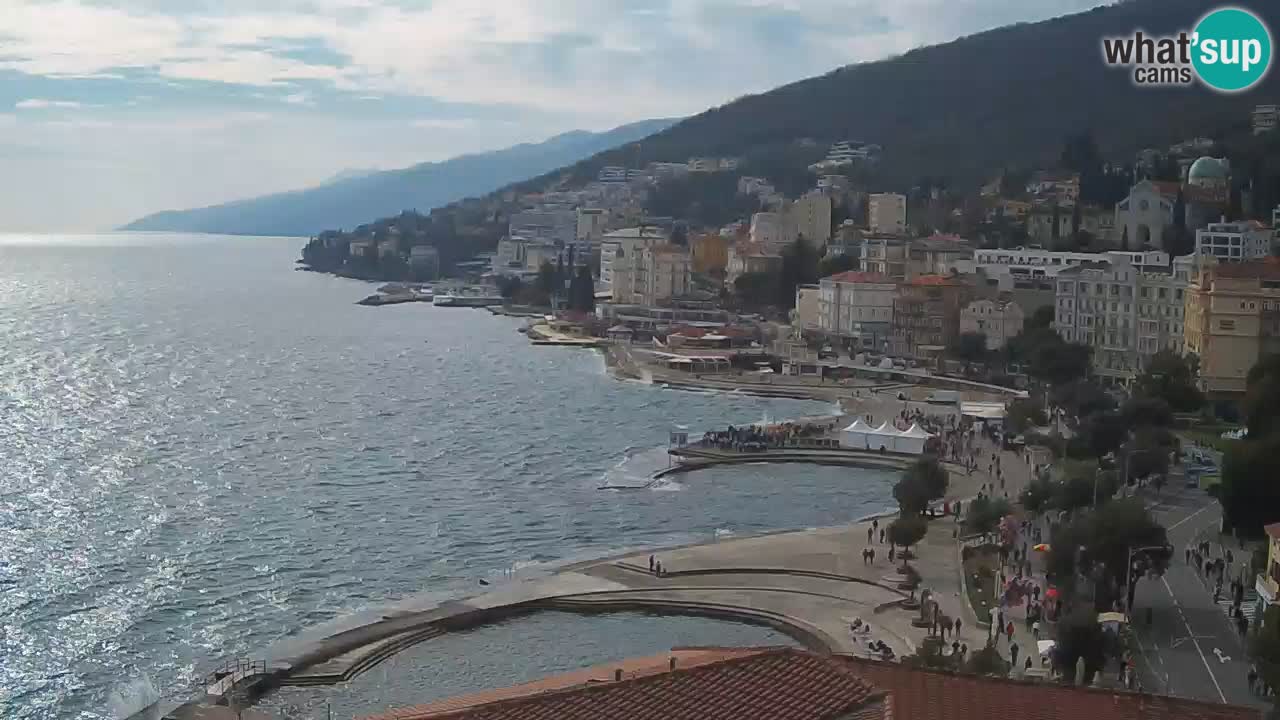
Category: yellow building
[1232,318]
[710,253]
[1268,581]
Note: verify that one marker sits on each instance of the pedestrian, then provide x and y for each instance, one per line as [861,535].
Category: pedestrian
[869,534]
[881,536]
[650,564]
[957,627]
[1253,681]
[891,553]
[1013,654]
[1188,554]
[875,523]
[872,553]
[1008,629]
[955,649]
[1027,667]
[658,568]
[1000,615]
[1035,630]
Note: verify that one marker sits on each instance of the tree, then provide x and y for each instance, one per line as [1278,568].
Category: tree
[1080,636]
[799,267]
[907,530]
[1262,397]
[971,347]
[756,289]
[1249,493]
[987,661]
[836,264]
[911,494]
[1099,434]
[1097,544]
[1264,646]
[1082,398]
[1042,318]
[1024,414]
[582,291]
[1037,496]
[1147,411]
[985,513]
[1171,378]
[930,475]
[547,278]
[1080,484]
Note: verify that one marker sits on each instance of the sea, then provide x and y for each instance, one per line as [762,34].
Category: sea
[206,454]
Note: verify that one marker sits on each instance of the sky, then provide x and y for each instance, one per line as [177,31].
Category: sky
[112,109]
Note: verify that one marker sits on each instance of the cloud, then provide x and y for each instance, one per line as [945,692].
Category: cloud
[297,99]
[608,58]
[43,104]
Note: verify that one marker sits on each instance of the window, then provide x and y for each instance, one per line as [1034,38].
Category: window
[1226,324]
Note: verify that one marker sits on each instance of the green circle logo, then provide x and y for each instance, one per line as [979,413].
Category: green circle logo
[1231,49]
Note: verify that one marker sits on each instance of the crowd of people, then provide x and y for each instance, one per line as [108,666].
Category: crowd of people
[757,438]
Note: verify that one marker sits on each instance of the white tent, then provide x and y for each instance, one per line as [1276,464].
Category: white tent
[911,441]
[882,437]
[855,436]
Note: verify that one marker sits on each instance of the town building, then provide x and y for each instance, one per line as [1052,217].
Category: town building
[998,321]
[1124,314]
[1265,118]
[710,253]
[1144,219]
[1062,187]
[660,272]
[1207,192]
[856,308]
[748,257]
[885,255]
[1267,582]
[362,248]
[938,255]
[807,312]
[768,229]
[623,244]
[1234,242]
[1029,266]
[593,223]
[809,216]
[1041,220]
[1232,319]
[887,213]
[424,260]
[667,169]
[846,241]
[538,253]
[926,315]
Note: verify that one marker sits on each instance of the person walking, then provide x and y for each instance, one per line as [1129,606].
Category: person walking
[1008,630]
[1253,681]
[650,564]
[870,534]
[881,536]
[1035,630]
[957,627]
[1013,654]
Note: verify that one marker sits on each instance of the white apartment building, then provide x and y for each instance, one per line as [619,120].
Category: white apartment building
[661,272]
[887,213]
[885,255]
[1124,314]
[508,259]
[857,307]
[1234,242]
[768,230]
[810,216]
[622,245]
[1034,263]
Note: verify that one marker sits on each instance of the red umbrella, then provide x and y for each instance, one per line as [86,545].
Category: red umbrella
[1051,593]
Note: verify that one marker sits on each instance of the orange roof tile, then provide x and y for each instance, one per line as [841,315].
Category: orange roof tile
[631,668]
[934,695]
[1265,269]
[934,280]
[765,684]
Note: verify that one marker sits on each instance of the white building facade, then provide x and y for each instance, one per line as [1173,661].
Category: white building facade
[1234,242]
[1145,218]
[857,307]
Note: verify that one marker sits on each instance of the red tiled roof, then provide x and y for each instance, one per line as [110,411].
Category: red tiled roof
[1167,188]
[1273,530]
[1264,269]
[934,280]
[859,276]
[774,684]
[932,695]
[633,668]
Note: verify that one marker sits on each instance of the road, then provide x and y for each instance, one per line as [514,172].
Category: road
[1191,649]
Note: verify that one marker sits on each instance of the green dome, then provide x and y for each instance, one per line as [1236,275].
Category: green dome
[1207,169]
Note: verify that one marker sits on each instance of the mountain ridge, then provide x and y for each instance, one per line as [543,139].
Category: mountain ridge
[350,201]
